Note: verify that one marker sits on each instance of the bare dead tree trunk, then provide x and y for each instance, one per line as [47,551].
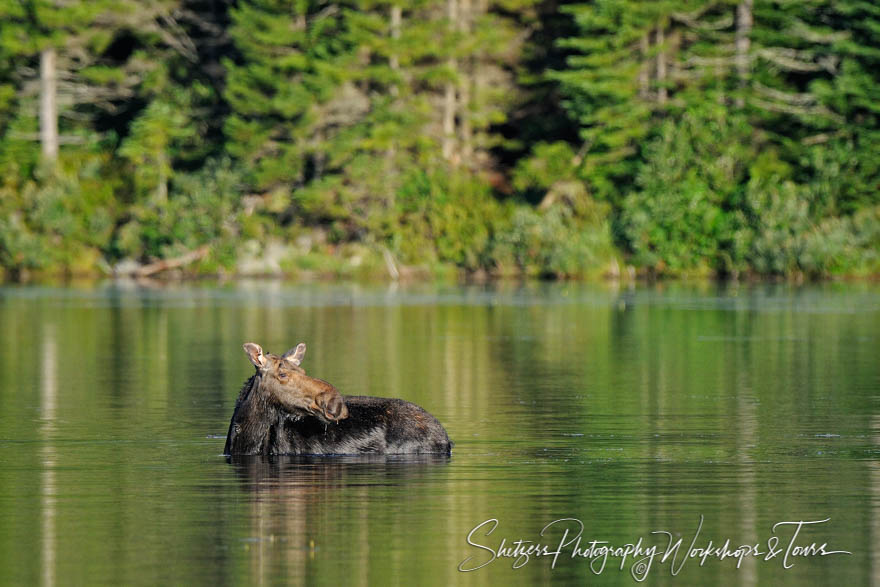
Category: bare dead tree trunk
[48,105]
[645,67]
[744,22]
[319,159]
[674,44]
[720,80]
[466,130]
[396,18]
[661,65]
[396,22]
[480,76]
[162,185]
[449,92]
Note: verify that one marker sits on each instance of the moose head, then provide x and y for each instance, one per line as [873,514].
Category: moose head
[282,380]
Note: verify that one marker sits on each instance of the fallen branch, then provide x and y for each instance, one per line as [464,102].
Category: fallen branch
[166,264]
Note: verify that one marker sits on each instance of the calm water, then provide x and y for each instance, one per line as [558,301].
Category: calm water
[632,410]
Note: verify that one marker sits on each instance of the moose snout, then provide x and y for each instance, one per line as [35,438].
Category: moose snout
[333,407]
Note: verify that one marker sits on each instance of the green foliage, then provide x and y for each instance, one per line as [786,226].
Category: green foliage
[547,164]
[149,146]
[553,243]
[287,96]
[645,131]
[684,215]
[781,220]
[451,215]
[731,162]
[203,210]
[601,84]
[62,219]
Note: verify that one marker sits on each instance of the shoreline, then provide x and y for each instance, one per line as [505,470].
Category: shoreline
[421,274]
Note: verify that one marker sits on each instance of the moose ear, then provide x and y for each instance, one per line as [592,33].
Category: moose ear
[255,354]
[296,355]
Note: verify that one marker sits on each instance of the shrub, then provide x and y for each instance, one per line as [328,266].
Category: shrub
[684,217]
[202,208]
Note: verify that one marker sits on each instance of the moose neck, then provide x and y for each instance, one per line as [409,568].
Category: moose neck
[250,420]
[248,387]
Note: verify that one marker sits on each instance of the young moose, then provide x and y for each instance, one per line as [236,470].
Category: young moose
[281,410]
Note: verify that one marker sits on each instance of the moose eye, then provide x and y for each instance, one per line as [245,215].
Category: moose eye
[283,376]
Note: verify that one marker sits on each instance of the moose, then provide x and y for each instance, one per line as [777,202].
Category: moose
[281,410]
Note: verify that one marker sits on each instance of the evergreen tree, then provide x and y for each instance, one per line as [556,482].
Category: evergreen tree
[721,135]
[816,88]
[287,94]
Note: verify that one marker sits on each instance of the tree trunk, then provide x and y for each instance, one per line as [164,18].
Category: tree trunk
[466,130]
[396,18]
[163,164]
[396,21]
[449,92]
[48,105]
[744,21]
[661,65]
[644,68]
[674,44]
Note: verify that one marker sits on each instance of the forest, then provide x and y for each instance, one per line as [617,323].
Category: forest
[539,138]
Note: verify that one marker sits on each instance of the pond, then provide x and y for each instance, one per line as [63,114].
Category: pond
[693,412]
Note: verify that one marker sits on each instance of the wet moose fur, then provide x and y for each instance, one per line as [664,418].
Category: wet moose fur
[281,410]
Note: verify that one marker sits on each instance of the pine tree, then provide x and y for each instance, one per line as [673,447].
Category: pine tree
[77,63]
[616,78]
[287,95]
[816,89]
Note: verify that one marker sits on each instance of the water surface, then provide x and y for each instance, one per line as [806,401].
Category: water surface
[632,410]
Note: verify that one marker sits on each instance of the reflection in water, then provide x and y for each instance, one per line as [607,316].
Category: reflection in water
[268,473]
[747,435]
[289,495]
[306,479]
[874,484]
[48,401]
